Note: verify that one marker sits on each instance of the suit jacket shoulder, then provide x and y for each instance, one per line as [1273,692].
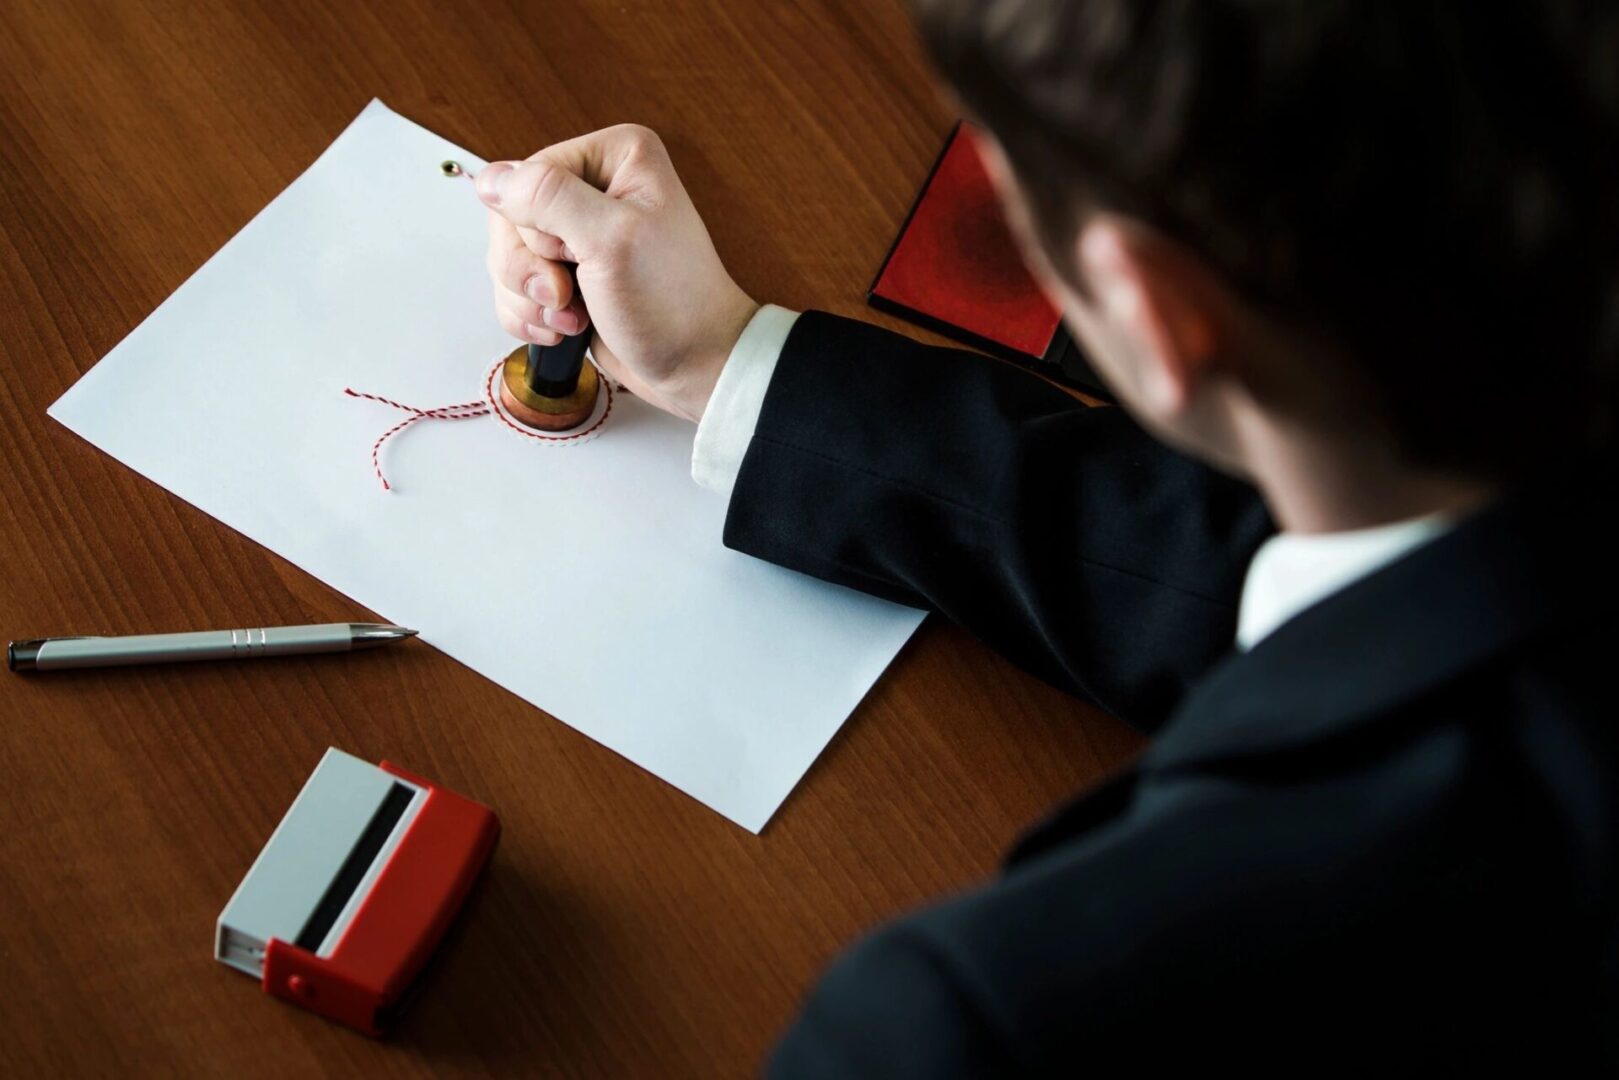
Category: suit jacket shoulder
[1387,833]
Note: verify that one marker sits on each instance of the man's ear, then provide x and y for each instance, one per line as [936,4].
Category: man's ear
[1158,303]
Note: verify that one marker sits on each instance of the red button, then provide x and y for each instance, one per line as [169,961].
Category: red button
[300,986]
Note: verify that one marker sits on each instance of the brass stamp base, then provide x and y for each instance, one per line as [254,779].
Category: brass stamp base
[542,413]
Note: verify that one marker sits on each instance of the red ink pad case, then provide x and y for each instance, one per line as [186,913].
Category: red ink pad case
[955,269]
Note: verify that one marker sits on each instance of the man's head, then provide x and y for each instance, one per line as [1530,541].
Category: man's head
[1394,218]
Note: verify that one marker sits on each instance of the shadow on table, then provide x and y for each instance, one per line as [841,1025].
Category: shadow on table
[498,992]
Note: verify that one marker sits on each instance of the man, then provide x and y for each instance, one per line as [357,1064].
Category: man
[1362,259]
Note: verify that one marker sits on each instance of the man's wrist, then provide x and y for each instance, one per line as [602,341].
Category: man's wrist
[698,377]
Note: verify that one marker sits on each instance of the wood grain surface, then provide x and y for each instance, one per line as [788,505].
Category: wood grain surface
[622,929]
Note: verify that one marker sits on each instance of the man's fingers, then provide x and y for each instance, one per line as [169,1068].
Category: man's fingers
[525,312]
[612,159]
[525,331]
[544,245]
[576,190]
[534,298]
[515,268]
[578,201]
[570,320]
[544,196]
[543,326]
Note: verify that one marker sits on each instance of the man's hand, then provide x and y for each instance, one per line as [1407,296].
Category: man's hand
[666,314]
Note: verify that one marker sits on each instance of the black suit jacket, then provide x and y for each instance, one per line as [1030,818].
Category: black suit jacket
[1385,836]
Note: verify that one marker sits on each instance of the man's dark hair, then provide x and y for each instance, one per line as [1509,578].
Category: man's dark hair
[1429,187]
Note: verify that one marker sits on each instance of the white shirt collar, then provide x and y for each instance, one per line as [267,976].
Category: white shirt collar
[1292,571]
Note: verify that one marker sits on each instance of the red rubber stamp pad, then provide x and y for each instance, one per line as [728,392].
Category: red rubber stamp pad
[955,269]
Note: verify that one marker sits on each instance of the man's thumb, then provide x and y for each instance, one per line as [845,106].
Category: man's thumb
[491,181]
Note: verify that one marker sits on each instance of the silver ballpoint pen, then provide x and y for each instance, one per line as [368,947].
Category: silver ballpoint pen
[55,654]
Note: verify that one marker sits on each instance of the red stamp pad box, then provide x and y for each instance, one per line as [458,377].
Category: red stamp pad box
[955,269]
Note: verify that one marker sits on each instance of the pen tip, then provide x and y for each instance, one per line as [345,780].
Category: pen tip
[408,633]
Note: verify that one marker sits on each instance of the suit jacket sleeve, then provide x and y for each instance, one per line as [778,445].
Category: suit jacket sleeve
[1063,536]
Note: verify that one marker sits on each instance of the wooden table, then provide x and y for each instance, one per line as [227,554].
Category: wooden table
[622,929]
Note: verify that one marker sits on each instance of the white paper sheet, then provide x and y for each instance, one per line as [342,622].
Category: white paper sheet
[719,673]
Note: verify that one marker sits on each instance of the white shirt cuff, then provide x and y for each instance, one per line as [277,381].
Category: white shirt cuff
[727,426]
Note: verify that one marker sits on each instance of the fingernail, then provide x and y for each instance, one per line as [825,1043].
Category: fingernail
[538,334]
[564,320]
[491,180]
[534,288]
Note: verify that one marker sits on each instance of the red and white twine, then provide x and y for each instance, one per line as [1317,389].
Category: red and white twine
[489,406]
